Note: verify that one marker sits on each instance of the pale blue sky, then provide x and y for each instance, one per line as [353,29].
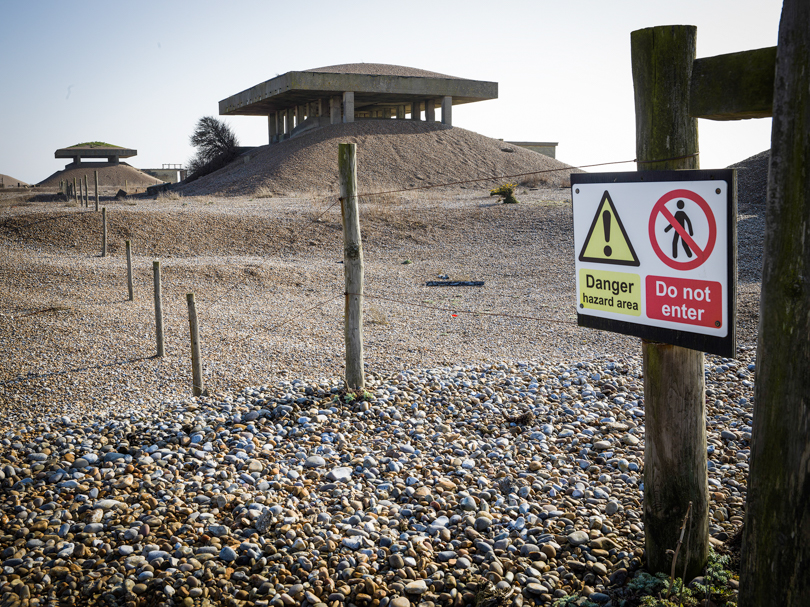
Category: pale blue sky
[140,74]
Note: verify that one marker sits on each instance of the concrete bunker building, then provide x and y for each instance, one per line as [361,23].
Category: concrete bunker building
[297,102]
[95,150]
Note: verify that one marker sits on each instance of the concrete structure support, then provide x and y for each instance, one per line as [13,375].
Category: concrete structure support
[430,111]
[290,123]
[416,112]
[400,112]
[447,111]
[348,106]
[271,128]
[334,110]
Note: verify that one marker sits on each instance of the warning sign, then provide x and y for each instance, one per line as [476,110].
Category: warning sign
[607,240]
[676,229]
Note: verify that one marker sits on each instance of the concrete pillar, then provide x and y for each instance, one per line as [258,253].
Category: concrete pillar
[416,113]
[279,119]
[348,106]
[400,112]
[447,111]
[271,128]
[322,105]
[290,122]
[334,109]
[430,111]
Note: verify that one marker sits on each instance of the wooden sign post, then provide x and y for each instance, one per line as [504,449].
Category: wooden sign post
[675,471]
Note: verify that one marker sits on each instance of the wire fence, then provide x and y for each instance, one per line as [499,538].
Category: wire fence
[323,205]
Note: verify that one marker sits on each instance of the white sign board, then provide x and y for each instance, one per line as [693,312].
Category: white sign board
[656,255]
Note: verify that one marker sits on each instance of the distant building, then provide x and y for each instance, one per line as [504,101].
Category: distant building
[549,148]
[170,173]
[296,102]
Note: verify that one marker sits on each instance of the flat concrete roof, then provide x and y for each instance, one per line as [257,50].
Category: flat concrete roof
[372,84]
[94,152]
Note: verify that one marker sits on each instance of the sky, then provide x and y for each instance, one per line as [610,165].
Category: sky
[140,74]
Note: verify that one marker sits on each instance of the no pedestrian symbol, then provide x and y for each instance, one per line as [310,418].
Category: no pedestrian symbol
[682,229]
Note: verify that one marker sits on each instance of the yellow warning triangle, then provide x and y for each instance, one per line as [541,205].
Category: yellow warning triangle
[607,240]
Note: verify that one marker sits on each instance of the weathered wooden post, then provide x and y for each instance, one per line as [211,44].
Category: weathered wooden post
[675,427]
[196,363]
[86,194]
[95,176]
[352,266]
[161,350]
[75,193]
[130,288]
[776,541]
[104,231]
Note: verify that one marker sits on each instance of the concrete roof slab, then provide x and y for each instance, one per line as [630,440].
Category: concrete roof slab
[296,88]
[94,152]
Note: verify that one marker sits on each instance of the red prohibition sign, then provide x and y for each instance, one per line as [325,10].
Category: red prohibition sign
[701,255]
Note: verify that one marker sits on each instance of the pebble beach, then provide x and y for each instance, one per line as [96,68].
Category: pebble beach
[489,461]
[419,492]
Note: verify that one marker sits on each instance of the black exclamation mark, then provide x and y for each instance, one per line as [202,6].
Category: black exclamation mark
[606,225]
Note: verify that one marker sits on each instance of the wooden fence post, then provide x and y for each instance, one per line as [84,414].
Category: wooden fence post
[775,549]
[75,194]
[130,288]
[104,231]
[352,266]
[95,175]
[196,362]
[675,470]
[86,194]
[161,350]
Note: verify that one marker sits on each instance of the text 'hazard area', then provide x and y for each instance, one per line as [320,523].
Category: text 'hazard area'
[686,301]
[617,292]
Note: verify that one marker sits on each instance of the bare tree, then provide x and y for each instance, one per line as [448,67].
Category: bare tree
[216,146]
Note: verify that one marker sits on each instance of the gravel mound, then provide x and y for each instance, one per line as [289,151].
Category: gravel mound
[379,69]
[752,183]
[752,192]
[11,182]
[391,154]
[108,175]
